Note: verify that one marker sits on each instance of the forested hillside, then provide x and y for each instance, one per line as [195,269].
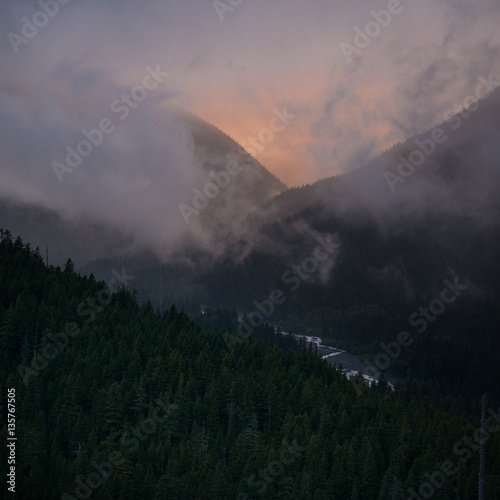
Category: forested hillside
[117,400]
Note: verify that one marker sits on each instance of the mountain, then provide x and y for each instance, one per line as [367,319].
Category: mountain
[405,231]
[224,185]
[400,235]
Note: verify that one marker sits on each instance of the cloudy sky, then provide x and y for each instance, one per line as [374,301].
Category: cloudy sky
[233,66]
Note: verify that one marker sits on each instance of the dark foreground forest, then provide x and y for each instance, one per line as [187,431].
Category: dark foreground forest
[114,400]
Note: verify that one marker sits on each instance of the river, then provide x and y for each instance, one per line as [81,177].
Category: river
[351,364]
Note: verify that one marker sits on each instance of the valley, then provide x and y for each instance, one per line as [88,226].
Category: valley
[273,272]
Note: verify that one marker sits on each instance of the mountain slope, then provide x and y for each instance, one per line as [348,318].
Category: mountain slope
[198,220]
[121,402]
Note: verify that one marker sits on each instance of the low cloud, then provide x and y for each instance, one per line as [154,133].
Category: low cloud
[233,74]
